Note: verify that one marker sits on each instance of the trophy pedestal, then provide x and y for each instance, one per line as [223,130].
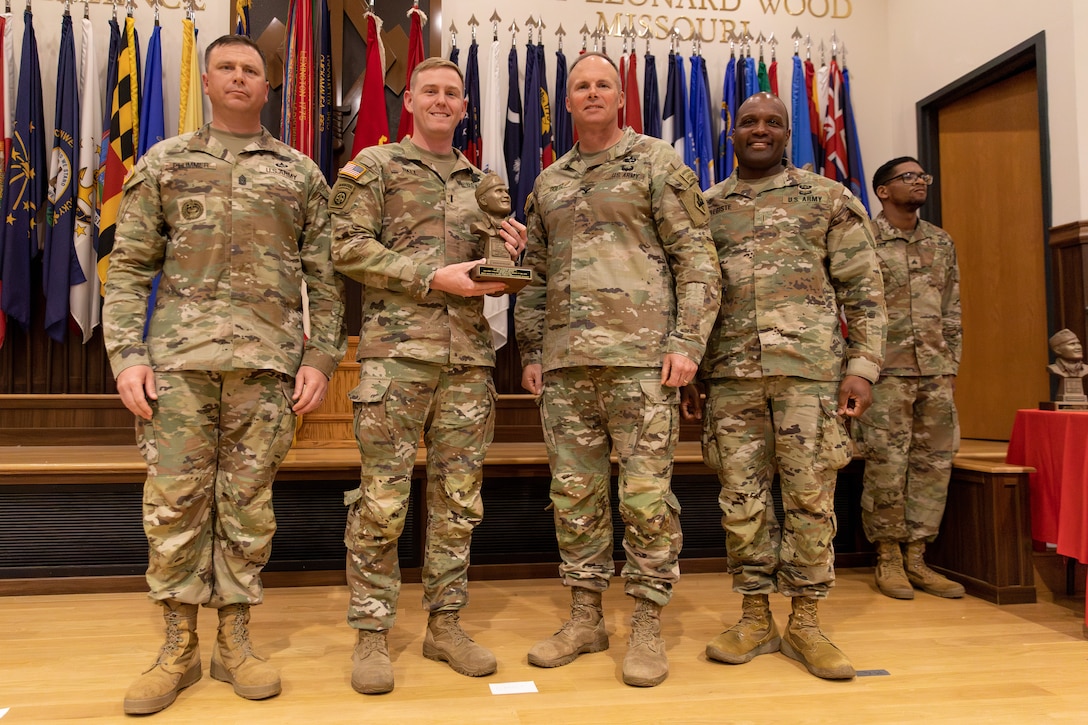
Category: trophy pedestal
[513,277]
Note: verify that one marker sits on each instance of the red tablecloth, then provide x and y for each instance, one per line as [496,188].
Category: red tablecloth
[1055,444]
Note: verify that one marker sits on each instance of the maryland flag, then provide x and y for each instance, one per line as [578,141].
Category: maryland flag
[123,141]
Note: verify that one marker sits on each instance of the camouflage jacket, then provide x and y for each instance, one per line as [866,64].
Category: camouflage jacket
[791,255]
[235,239]
[922,292]
[625,270]
[395,223]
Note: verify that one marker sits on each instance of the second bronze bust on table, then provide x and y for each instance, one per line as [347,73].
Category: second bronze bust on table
[494,199]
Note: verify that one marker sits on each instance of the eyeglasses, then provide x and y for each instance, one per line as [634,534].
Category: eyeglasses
[910,177]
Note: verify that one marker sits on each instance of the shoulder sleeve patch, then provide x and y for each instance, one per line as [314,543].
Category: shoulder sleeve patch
[341,194]
[353,170]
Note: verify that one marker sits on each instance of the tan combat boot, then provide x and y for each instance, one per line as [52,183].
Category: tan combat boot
[891,580]
[584,632]
[645,664]
[925,578]
[804,642]
[447,642]
[234,661]
[177,666]
[371,670]
[755,634]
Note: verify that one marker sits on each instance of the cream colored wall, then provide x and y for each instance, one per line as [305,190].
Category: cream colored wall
[212,21]
[862,25]
[931,43]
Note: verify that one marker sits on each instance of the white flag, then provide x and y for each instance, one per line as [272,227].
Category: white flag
[83,299]
[492,127]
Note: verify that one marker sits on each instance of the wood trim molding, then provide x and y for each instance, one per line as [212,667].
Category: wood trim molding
[1069,235]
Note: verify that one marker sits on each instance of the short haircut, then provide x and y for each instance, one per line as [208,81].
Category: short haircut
[594,54]
[884,173]
[224,41]
[432,63]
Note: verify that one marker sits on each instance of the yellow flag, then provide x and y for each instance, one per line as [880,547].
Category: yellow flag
[191,116]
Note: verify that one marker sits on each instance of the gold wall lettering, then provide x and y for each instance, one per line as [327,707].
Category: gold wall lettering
[709,27]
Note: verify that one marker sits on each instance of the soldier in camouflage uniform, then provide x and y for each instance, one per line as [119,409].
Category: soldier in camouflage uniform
[911,433]
[794,247]
[614,323]
[236,222]
[402,216]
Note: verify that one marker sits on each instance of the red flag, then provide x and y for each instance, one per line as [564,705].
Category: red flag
[297,120]
[632,108]
[773,75]
[415,56]
[623,88]
[372,126]
[836,166]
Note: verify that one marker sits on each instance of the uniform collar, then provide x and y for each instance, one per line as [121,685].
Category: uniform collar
[621,148]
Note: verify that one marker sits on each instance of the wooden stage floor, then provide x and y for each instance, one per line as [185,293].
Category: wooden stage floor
[69,658]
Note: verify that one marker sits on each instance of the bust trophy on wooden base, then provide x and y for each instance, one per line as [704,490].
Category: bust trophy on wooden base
[494,199]
[1070,369]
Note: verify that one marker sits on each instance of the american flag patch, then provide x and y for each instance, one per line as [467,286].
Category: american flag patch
[353,170]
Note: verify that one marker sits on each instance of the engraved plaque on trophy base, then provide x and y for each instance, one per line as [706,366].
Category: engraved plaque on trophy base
[513,277]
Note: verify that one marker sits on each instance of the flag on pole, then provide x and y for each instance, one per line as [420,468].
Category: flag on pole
[763,78]
[325,94]
[692,119]
[772,75]
[83,298]
[415,57]
[858,182]
[124,140]
[837,164]
[241,8]
[60,266]
[673,126]
[191,113]
[751,77]
[699,116]
[512,136]
[620,120]
[460,134]
[547,148]
[631,106]
[724,166]
[472,148]
[819,95]
[297,115]
[564,133]
[152,124]
[801,153]
[25,193]
[491,156]
[651,100]
[531,131]
[107,116]
[372,124]
[7,111]
[815,127]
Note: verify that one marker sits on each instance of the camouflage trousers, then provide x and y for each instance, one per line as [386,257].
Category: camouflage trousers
[908,437]
[396,401]
[587,413]
[752,428]
[212,447]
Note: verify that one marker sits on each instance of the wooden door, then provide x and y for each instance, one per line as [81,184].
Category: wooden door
[992,205]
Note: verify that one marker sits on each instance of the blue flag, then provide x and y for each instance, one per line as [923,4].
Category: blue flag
[729,110]
[511,147]
[800,140]
[152,124]
[699,133]
[651,98]
[751,78]
[25,191]
[564,130]
[858,183]
[324,100]
[529,167]
[60,266]
[674,115]
[473,147]
[460,134]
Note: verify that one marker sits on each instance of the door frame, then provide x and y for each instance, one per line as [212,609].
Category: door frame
[1027,55]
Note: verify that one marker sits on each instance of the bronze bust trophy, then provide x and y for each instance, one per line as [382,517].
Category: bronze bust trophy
[1070,369]
[494,199]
